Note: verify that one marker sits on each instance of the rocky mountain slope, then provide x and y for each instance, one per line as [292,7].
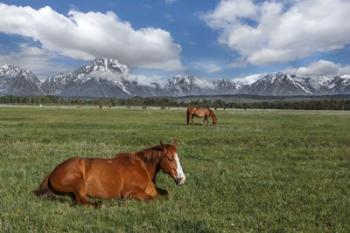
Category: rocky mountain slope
[17,81]
[108,78]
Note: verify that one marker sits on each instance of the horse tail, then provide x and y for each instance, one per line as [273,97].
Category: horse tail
[44,188]
[188,115]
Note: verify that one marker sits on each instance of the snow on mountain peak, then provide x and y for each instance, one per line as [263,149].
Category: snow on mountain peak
[106,65]
[17,81]
[247,80]
[12,70]
[345,76]
[191,80]
[108,78]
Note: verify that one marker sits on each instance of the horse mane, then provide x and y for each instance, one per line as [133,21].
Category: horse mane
[152,154]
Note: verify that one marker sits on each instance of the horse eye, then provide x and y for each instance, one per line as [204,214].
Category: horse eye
[170,158]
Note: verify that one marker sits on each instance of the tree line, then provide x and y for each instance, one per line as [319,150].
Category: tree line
[310,104]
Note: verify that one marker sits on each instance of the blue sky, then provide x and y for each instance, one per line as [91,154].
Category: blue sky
[210,39]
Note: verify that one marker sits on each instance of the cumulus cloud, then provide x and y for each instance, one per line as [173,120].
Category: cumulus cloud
[238,63]
[93,34]
[228,13]
[281,31]
[320,68]
[38,60]
[207,66]
[148,80]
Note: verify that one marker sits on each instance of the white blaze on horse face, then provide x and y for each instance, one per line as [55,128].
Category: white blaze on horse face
[180,175]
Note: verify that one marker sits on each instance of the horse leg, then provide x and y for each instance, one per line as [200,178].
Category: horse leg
[160,191]
[81,197]
[140,195]
[149,193]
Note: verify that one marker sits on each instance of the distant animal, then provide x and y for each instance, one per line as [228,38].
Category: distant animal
[201,113]
[128,175]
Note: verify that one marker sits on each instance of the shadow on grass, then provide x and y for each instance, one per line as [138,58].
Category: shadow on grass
[67,198]
[98,203]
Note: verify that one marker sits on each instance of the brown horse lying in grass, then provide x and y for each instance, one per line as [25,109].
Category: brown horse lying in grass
[201,113]
[128,175]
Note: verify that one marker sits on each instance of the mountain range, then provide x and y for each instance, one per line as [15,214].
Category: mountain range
[106,78]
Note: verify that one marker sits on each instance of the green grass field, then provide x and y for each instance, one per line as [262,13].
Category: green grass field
[256,171]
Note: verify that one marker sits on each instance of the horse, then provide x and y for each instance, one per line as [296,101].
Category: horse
[200,112]
[126,176]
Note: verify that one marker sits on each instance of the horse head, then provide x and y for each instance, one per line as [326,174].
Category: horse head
[170,163]
[213,117]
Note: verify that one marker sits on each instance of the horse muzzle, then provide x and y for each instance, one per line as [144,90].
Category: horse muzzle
[180,180]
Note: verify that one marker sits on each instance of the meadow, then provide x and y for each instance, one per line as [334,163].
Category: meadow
[255,171]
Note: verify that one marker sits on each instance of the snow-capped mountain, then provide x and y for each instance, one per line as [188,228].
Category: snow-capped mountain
[17,81]
[189,85]
[108,78]
[340,85]
[55,85]
[278,84]
[101,78]
[226,87]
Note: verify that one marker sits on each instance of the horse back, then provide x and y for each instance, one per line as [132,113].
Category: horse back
[200,112]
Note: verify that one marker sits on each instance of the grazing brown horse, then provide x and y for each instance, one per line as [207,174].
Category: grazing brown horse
[128,175]
[201,113]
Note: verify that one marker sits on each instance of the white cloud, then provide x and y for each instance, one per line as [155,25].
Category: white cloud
[238,63]
[281,31]
[320,68]
[148,80]
[207,66]
[344,70]
[228,13]
[39,61]
[93,34]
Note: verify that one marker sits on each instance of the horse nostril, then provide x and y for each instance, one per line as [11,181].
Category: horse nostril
[180,180]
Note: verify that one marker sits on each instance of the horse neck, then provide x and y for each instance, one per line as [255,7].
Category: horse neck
[151,159]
